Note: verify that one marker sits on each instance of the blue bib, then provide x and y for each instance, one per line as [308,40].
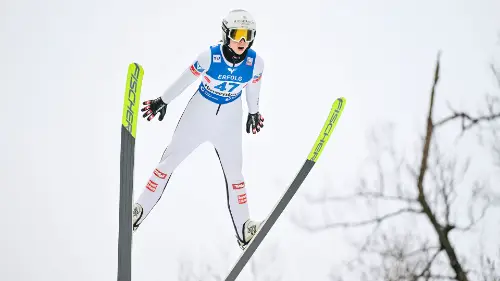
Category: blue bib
[223,83]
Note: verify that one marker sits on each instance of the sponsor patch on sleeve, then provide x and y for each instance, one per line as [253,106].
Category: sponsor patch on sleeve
[256,78]
[196,68]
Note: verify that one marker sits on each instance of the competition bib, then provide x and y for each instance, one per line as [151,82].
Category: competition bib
[223,83]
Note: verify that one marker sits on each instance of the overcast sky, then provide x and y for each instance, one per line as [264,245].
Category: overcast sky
[63,77]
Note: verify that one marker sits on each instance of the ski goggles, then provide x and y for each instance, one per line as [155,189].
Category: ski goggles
[236,34]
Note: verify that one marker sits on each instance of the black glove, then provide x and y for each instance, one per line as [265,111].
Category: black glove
[153,107]
[255,121]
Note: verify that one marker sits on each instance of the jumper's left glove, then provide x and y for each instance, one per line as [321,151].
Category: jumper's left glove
[255,122]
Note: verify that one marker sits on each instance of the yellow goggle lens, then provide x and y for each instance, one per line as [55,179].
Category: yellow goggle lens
[238,34]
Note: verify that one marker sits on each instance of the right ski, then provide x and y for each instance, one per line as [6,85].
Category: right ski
[319,145]
[128,133]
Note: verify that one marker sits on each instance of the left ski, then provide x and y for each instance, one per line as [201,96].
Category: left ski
[128,134]
[319,145]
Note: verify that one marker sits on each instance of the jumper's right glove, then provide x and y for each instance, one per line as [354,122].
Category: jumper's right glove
[153,107]
[255,121]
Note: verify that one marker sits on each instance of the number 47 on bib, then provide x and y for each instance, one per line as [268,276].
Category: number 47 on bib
[223,86]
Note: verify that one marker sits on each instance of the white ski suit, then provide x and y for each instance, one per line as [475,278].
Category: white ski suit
[213,114]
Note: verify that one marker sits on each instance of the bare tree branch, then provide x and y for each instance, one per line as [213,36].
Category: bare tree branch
[426,271]
[361,194]
[377,220]
[489,267]
[467,121]
[496,74]
[440,231]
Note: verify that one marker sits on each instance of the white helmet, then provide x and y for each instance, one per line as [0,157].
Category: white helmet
[238,24]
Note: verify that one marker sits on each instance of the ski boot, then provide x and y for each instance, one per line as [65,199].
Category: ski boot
[136,216]
[250,229]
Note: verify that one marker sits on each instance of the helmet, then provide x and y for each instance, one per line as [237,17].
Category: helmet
[238,24]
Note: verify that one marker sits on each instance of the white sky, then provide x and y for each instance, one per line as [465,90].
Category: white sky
[63,75]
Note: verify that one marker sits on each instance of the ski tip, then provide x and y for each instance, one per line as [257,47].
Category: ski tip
[132,97]
[134,65]
[338,101]
[327,130]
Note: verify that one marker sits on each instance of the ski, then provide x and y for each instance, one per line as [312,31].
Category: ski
[319,145]
[128,135]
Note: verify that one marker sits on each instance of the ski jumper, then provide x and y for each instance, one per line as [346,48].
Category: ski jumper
[213,114]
